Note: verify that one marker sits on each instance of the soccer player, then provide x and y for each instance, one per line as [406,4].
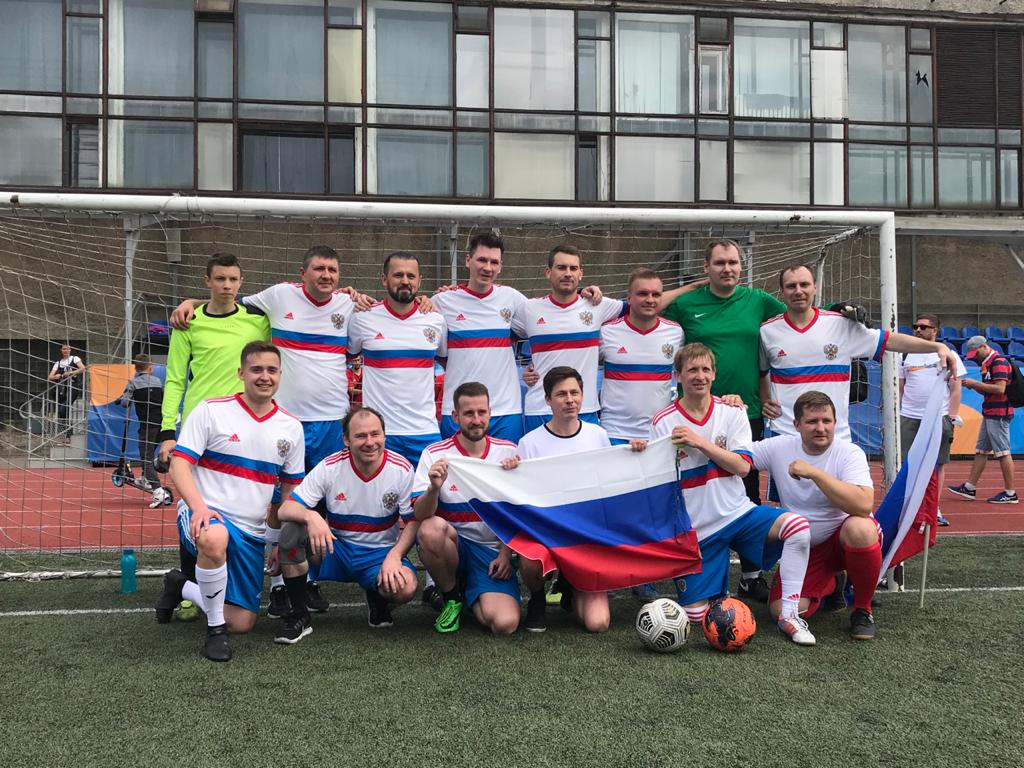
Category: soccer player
[807,348]
[469,564]
[563,330]
[399,345]
[826,479]
[367,489]
[715,444]
[231,452]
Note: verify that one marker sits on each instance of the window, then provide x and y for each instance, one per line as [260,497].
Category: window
[30,45]
[920,80]
[83,144]
[149,154]
[878,63]
[282,162]
[878,175]
[216,151]
[967,177]
[773,75]
[342,160]
[471,66]
[534,65]
[1009,178]
[535,166]
[654,61]
[714,79]
[151,47]
[827,34]
[410,53]
[653,168]
[922,177]
[281,49]
[31,150]
[828,84]
[84,51]
[594,75]
[714,170]
[411,163]
[829,188]
[472,162]
[776,172]
[214,44]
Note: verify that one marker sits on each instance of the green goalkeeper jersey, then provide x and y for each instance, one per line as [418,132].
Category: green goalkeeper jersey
[206,357]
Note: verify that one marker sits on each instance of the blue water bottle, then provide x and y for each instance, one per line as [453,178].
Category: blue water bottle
[128,564]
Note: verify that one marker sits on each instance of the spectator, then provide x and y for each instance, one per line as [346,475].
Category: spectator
[355,381]
[146,392]
[64,373]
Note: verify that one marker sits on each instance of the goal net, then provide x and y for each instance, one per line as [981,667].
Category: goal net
[102,273]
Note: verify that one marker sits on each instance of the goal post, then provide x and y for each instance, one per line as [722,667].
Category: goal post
[103,272]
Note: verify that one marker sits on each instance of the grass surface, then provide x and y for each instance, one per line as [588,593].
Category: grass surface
[940,686]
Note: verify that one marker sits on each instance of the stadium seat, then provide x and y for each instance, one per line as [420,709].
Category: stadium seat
[995,333]
[1016,351]
[953,347]
[905,329]
[969,330]
[1015,333]
[949,333]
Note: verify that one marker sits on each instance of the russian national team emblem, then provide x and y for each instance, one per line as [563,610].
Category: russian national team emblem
[506,314]
[338,320]
[721,442]
[390,501]
[283,446]
[430,335]
[587,318]
[667,350]
[831,351]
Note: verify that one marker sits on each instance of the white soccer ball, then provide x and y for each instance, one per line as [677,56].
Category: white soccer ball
[662,625]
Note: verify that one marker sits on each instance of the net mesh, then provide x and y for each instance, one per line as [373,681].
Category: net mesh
[106,282]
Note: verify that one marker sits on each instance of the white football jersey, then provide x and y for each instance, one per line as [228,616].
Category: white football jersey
[543,442]
[842,460]
[313,340]
[451,504]
[637,375]
[480,345]
[920,372]
[816,357]
[239,457]
[714,496]
[362,510]
[398,365]
[564,334]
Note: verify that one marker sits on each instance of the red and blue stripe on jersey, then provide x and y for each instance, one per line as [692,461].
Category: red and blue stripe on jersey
[398,358]
[551,342]
[311,342]
[637,372]
[483,338]
[806,374]
[239,466]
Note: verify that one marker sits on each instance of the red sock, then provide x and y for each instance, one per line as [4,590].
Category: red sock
[862,567]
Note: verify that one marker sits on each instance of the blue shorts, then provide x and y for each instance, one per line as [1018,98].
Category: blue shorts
[245,560]
[508,427]
[474,560]
[532,422]
[410,446]
[353,562]
[618,440]
[748,536]
[321,438]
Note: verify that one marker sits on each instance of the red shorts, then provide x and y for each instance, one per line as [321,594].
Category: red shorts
[825,560]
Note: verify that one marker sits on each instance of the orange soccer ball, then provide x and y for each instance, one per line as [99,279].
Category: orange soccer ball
[729,625]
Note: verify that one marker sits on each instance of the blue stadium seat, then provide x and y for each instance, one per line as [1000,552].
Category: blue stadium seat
[953,347]
[995,333]
[1015,333]
[906,329]
[968,331]
[1016,351]
[949,333]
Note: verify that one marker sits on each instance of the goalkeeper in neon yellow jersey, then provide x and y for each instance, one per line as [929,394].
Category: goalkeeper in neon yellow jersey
[205,355]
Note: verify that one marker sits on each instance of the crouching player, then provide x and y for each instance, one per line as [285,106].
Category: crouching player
[229,455]
[469,564]
[368,492]
[828,481]
[715,442]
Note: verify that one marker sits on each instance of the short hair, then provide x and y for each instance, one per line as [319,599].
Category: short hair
[142,362]
[557,375]
[793,267]
[691,351]
[810,400]
[345,422]
[255,348]
[572,250]
[469,389]
[721,242]
[401,256]
[221,260]
[318,251]
[485,240]
[933,319]
[641,273]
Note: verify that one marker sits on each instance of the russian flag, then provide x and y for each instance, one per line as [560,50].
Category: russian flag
[908,503]
[607,519]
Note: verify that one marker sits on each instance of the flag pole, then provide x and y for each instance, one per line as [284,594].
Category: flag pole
[924,565]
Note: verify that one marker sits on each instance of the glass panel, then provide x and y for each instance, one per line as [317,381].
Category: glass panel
[595,75]
[922,177]
[828,173]
[281,112]
[143,108]
[535,122]
[920,39]
[922,134]
[967,136]
[282,162]
[828,34]
[828,131]
[586,169]
[426,117]
[594,124]
[78,106]
[344,114]
[713,63]
[713,30]
[343,164]
[216,151]
[473,19]
[413,162]
[534,65]
[878,65]
[281,50]
[652,125]
[214,48]
[713,127]
[593,24]
[772,77]
[534,166]
[149,154]
[1009,178]
[151,47]
[472,119]
[878,133]
[967,177]
[829,97]
[771,172]
[472,162]
[32,151]
[1009,136]
[83,65]
[84,6]
[345,65]
[878,175]
[652,168]
[714,170]
[410,47]
[15,102]
[920,81]
[471,65]
[654,62]
[30,45]
[344,12]
[215,109]
[783,130]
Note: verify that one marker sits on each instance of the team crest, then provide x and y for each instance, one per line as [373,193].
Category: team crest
[506,314]
[721,442]
[338,320]
[390,501]
[283,447]
[667,350]
[587,318]
[430,334]
[831,350]
[681,454]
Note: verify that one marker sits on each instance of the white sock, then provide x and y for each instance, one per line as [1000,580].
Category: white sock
[213,582]
[276,581]
[969,486]
[697,613]
[428,581]
[748,575]
[1010,492]
[796,548]
[191,591]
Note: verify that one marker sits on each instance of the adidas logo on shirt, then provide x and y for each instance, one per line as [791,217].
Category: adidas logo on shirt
[541,322]
[340,497]
[460,316]
[782,353]
[378,336]
[453,487]
[289,316]
[234,439]
[622,350]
